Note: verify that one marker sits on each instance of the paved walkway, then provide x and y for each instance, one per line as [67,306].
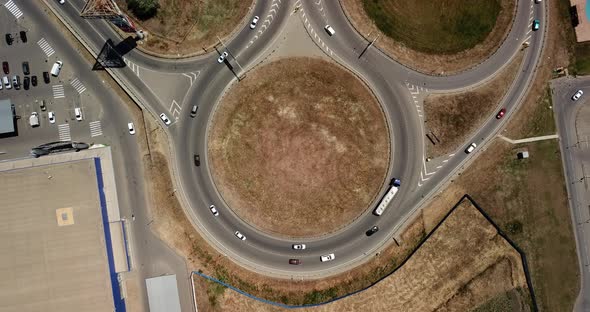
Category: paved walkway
[527,140]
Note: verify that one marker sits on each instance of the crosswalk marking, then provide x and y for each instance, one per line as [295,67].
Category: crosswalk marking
[45,47]
[78,85]
[64,132]
[13,9]
[95,129]
[58,91]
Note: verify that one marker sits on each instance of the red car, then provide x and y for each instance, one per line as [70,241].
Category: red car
[501,113]
[5,67]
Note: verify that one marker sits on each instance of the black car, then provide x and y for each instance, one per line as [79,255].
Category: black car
[34,81]
[197,159]
[26,69]
[372,230]
[46,77]
[23,36]
[26,82]
[9,39]
[5,67]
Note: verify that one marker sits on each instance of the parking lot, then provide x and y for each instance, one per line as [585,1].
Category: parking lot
[63,95]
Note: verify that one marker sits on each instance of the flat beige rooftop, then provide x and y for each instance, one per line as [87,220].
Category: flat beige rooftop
[53,254]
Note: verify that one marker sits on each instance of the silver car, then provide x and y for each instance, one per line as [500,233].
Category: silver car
[165,119]
[240,235]
[577,95]
[299,246]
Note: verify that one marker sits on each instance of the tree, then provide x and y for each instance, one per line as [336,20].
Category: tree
[143,9]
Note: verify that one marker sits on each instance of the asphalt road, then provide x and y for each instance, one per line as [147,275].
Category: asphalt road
[575,154]
[387,78]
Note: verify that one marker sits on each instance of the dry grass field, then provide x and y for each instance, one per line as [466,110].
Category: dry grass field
[463,263]
[453,117]
[185,27]
[444,37]
[299,148]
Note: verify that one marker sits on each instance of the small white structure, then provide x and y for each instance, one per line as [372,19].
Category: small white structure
[523,155]
[163,294]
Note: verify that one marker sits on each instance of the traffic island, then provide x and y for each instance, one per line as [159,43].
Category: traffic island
[299,148]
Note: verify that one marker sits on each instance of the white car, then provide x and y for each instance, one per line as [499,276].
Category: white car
[329,30]
[78,113]
[328,257]
[51,117]
[7,83]
[165,119]
[470,148]
[240,235]
[222,57]
[577,95]
[254,21]
[62,1]
[131,128]
[216,213]
[299,246]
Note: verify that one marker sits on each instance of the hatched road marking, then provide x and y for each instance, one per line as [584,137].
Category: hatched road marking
[13,9]
[64,132]
[44,45]
[58,92]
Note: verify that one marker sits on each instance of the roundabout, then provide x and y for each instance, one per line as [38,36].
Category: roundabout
[299,149]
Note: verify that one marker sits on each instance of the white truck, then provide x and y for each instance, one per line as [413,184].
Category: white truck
[34,119]
[388,197]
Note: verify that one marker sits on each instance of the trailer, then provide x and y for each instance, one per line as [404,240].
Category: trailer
[388,197]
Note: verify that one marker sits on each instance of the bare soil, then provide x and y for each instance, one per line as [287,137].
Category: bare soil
[299,148]
[186,27]
[452,117]
[437,64]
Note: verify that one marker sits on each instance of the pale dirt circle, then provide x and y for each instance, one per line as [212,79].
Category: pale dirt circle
[299,148]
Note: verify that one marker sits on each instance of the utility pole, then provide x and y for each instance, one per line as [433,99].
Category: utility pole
[225,47]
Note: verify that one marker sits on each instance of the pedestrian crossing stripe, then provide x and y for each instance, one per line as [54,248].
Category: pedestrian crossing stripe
[44,45]
[13,9]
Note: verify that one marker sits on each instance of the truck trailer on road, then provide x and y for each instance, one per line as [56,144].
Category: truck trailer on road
[388,197]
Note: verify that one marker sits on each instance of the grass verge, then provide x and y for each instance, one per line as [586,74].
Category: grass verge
[186,27]
[441,26]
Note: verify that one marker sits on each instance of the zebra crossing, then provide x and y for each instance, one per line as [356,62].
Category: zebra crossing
[64,132]
[58,92]
[13,9]
[95,128]
[44,45]
[78,85]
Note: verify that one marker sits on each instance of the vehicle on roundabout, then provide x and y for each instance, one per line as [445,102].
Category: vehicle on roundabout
[216,213]
[470,148]
[299,246]
[294,261]
[240,235]
[254,22]
[165,119]
[222,57]
[328,257]
[372,230]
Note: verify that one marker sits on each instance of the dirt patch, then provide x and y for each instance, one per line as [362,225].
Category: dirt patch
[300,148]
[452,118]
[439,64]
[186,27]
[448,280]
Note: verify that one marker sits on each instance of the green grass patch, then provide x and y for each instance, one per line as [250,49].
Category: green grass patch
[542,121]
[582,64]
[444,26]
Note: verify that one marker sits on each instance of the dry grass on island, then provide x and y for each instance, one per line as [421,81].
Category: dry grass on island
[299,148]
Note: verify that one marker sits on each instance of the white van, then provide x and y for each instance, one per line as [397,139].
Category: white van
[34,119]
[56,68]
